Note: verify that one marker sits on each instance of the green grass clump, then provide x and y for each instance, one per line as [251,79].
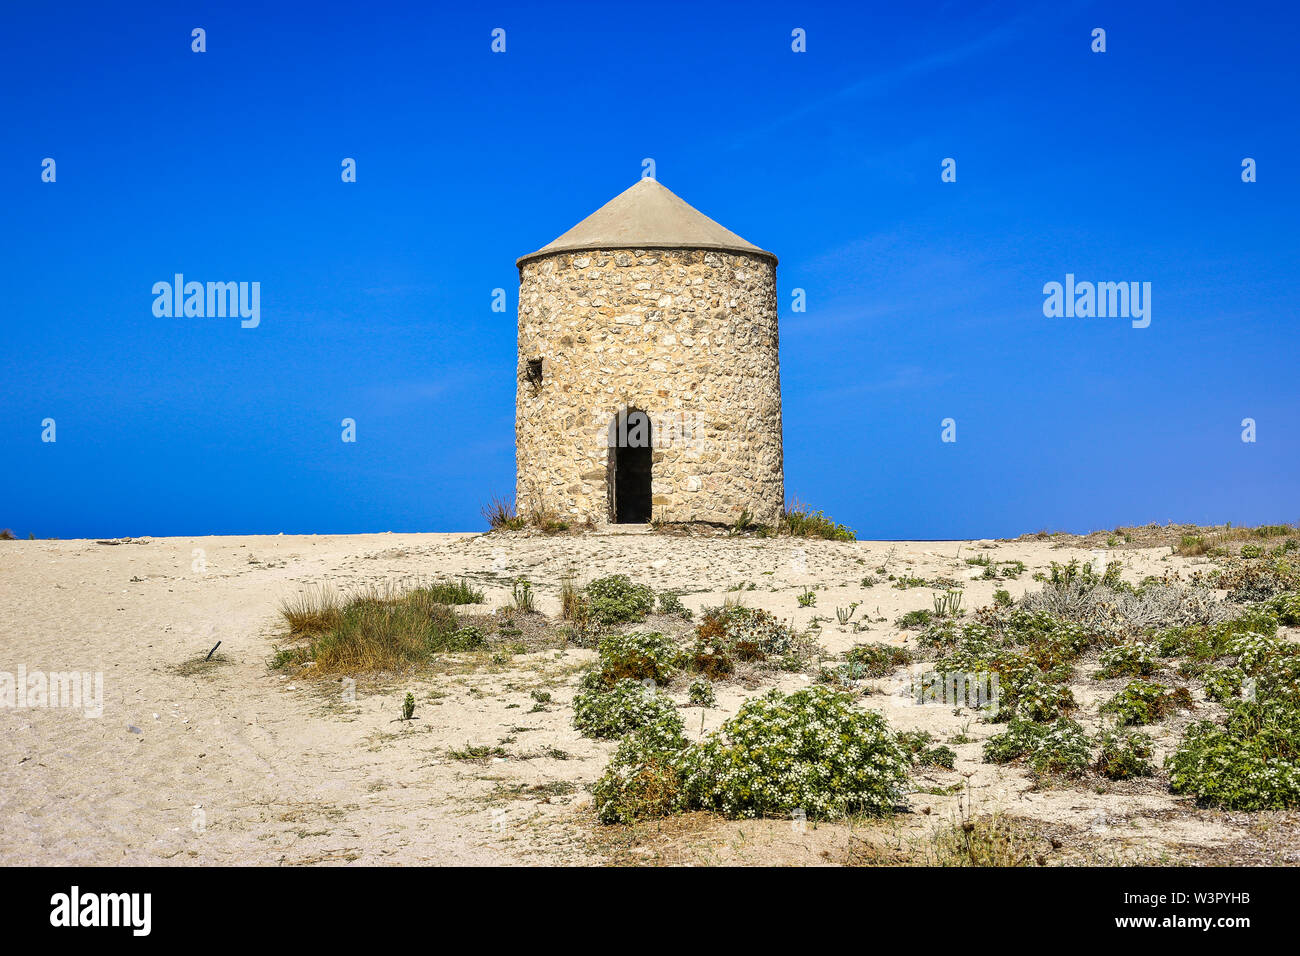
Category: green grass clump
[617,600]
[799,521]
[313,611]
[454,592]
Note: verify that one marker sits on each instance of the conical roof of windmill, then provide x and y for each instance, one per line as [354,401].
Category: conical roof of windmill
[647,216]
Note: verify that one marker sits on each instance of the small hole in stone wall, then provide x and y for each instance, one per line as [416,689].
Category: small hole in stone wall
[534,371]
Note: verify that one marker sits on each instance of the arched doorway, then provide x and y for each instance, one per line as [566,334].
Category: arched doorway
[631,445]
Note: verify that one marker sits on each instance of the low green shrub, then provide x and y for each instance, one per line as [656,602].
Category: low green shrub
[643,778]
[612,712]
[918,745]
[1287,609]
[810,751]
[1061,748]
[700,693]
[1144,702]
[1251,762]
[1127,660]
[1124,754]
[617,600]
[875,659]
[637,656]
[918,618]
[670,603]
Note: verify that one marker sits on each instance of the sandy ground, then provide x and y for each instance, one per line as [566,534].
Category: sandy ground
[234,763]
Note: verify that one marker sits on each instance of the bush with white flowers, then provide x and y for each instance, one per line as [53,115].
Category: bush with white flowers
[810,751]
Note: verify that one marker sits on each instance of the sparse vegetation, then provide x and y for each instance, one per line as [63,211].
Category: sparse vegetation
[1146,702]
[602,711]
[1124,754]
[808,752]
[617,600]
[376,630]
[500,514]
[800,521]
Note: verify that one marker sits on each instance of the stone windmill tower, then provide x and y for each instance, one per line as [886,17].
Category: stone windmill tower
[649,382]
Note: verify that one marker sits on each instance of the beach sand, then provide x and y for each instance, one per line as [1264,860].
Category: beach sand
[235,763]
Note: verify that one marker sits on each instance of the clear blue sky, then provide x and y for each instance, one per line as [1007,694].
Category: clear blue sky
[924,298]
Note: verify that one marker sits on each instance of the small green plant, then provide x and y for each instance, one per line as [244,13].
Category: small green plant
[799,521]
[808,598]
[501,516]
[670,603]
[1061,748]
[845,614]
[1124,754]
[1127,660]
[408,706]
[573,606]
[476,753]
[907,581]
[947,604]
[918,745]
[617,600]
[521,596]
[700,693]
[918,618]
[1002,598]
[876,659]
[1146,702]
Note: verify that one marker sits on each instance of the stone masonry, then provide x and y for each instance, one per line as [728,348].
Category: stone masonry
[687,336]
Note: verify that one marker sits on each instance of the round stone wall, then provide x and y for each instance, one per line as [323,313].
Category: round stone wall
[686,336]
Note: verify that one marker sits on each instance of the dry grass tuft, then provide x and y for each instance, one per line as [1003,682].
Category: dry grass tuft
[376,630]
[501,515]
[990,840]
[311,612]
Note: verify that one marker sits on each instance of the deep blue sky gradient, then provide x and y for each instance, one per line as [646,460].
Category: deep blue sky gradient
[924,298]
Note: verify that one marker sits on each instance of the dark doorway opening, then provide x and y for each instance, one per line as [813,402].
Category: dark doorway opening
[630,450]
